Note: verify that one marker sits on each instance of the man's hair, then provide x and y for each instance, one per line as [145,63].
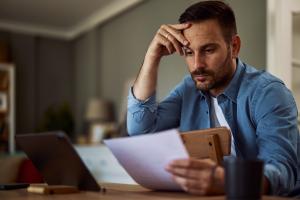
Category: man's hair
[216,10]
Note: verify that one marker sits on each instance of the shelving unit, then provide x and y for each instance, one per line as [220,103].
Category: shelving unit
[296,63]
[296,58]
[7,106]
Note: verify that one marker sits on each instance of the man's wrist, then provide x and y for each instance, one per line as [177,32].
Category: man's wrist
[152,59]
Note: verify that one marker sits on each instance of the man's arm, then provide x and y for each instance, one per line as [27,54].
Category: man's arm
[143,113]
[167,40]
[148,116]
[275,114]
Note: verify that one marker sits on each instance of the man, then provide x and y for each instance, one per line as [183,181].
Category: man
[221,90]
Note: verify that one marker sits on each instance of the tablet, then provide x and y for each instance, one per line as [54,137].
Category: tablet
[54,156]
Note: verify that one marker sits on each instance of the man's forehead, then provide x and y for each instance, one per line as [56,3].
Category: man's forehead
[203,28]
[201,33]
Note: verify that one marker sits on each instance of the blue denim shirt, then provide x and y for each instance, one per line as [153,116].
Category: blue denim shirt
[259,109]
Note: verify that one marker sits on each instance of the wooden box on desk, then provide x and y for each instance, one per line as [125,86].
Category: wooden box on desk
[213,143]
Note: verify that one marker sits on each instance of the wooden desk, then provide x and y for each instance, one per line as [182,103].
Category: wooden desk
[113,192]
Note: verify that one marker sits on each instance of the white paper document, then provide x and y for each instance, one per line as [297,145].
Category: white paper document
[145,157]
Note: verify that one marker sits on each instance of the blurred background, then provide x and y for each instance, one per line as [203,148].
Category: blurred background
[68,64]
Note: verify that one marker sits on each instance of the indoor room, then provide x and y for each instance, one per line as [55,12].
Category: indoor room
[67,67]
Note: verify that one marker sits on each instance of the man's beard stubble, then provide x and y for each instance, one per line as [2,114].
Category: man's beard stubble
[215,80]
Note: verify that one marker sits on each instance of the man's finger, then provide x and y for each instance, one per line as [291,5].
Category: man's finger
[181,26]
[172,39]
[197,191]
[192,163]
[168,44]
[185,172]
[175,43]
[177,34]
[190,184]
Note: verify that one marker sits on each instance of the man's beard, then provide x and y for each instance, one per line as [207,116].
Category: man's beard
[214,79]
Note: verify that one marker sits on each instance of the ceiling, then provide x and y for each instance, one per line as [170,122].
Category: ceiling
[58,18]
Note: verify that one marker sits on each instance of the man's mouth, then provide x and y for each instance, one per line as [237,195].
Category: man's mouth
[200,77]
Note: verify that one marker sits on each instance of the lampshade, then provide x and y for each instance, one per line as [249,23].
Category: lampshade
[99,110]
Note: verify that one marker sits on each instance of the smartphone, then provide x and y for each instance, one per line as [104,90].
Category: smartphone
[13,186]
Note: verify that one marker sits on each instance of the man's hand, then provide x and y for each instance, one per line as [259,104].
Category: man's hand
[202,177]
[167,40]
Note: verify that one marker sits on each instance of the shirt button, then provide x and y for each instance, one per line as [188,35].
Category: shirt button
[206,112]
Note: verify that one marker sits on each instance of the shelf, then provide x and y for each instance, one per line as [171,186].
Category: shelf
[296,62]
[7,107]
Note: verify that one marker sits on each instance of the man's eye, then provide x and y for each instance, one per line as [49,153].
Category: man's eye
[209,50]
[188,53]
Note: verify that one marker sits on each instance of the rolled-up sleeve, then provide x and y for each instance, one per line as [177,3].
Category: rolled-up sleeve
[140,114]
[149,116]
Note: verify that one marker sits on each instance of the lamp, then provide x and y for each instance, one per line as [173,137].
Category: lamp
[99,115]
[99,110]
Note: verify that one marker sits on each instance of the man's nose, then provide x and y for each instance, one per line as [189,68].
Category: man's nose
[199,61]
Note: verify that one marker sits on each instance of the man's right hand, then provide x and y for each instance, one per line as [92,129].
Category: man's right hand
[168,39]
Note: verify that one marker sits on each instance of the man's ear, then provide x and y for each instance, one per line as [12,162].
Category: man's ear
[236,45]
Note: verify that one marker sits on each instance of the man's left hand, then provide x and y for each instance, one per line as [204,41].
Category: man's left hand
[202,177]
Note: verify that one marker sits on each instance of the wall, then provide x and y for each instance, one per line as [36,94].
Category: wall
[86,74]
[122,42]
[44,76]
[23,55]
[251,23]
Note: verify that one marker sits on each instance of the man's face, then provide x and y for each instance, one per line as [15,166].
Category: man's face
[208,56]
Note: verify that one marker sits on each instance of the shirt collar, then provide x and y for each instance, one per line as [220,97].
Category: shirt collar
[231,91]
